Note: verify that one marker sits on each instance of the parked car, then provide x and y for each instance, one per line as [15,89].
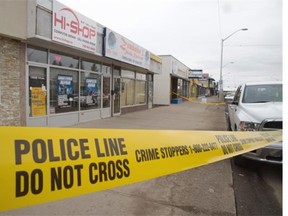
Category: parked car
[257,107]
[229,97]
[228,100]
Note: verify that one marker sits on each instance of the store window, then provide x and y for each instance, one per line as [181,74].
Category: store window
[64,94]
[185,88]
[64,60]
[140,89]
[128,74]
[37,91]
[127,92]
[90,91]
[127,87]
[106,72]
[180,87]
[90,85]
[90,66]
[134,89]
[37,54]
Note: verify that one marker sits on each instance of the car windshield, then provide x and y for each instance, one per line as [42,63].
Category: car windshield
[263,93]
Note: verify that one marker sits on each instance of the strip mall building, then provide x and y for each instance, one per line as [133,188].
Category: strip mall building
[59,68]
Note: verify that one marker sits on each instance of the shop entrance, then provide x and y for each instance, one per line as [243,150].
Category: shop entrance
[37,90]
[150,91]
[116,96]
[174,87]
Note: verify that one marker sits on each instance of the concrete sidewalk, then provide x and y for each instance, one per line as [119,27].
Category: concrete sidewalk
[202,114]
[207,190]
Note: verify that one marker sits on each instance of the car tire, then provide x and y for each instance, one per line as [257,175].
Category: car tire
[240,161]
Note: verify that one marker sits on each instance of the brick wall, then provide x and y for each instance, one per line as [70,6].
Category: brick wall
[12,82]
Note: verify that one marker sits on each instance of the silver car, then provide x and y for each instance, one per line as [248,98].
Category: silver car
[258,107]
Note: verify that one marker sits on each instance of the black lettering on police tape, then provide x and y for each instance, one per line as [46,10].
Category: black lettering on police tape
[26,182]
[143,155]
[110,147]
[52,156]
[73,155]
[70,148]
[238,147]
[277,135]
[196,148]
[265,134]
[101,171]
[231,148]
[45,150]
[174,151]
[39,151]
[259,139]
[226,138]
[213,146]
[247,140]
[64,176]
[205,147]
[270,139]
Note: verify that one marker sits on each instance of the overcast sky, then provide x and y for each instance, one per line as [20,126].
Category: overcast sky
[191,31]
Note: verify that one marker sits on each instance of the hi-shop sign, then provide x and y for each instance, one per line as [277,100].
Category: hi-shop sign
[72,28]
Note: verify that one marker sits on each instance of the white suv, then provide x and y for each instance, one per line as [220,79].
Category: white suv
[258,107]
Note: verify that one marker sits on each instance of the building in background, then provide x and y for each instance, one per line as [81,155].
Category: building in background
[59,68]
[172,84]
[201,84]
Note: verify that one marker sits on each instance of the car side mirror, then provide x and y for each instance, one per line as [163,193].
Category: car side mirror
[235,103]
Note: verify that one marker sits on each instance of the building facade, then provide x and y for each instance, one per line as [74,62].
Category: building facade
[59,68]
[172,84]
[201,84]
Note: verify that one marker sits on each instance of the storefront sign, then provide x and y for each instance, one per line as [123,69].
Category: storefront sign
[179,70]
[174,67]
[122,49]
[205,75]
[72,28]
[38,101]
[65,90]
[195,73]
[155,58]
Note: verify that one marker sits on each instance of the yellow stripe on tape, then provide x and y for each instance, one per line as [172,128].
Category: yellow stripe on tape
[45,164]
[194,100]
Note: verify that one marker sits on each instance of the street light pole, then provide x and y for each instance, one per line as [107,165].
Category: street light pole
[221,63]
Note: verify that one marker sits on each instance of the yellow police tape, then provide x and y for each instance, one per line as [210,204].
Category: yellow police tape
[203,100]
[45,164]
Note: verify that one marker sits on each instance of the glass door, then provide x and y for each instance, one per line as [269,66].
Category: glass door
[106,92]
[150,91]
[37,96]
[116,96]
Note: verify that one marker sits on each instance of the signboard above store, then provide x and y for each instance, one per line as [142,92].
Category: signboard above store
[195,73]
[73,29]
[179,70]
[122,49]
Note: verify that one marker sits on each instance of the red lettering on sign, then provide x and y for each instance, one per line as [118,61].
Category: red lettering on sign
[74,26]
